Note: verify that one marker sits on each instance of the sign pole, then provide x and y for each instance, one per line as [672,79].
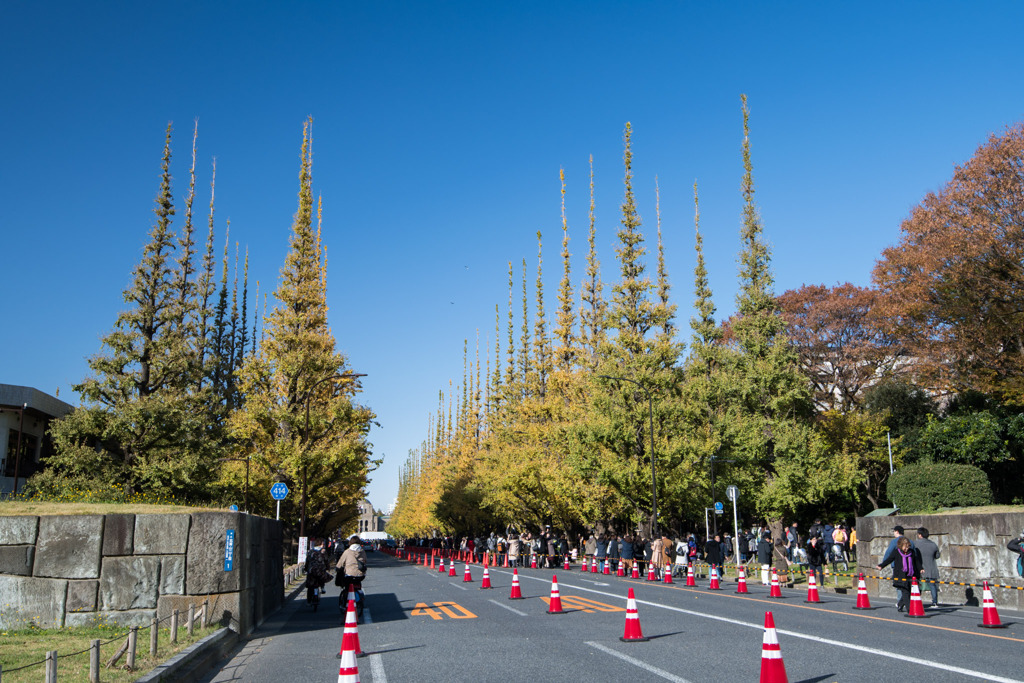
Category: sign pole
[278,510]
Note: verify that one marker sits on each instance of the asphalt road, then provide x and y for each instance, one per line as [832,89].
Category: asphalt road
[421,625]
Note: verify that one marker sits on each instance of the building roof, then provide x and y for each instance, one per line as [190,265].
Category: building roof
[14,396]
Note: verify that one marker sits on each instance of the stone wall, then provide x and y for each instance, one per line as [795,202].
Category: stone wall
[73,570]
[972,548]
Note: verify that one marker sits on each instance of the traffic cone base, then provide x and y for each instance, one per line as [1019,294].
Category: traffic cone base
[989,613]
[632,632]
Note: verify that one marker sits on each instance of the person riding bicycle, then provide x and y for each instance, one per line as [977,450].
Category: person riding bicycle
[316,574]
[352,568]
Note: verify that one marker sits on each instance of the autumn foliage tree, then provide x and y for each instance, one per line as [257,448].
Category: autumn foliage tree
[952,290]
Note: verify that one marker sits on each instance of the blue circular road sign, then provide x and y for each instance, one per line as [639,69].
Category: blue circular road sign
[279,491]
[233,508]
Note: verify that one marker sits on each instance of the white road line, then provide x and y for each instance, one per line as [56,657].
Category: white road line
[636,662]
[817,639]
[377,669]
[461,588]
[510,609]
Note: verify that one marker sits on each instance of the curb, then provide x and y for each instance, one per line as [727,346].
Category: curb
[194,657]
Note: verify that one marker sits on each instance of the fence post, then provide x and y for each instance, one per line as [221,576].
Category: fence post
[94,662]
[51,666]
[174,627]
[191,618]
[153,632]
[133,640]
[206,614]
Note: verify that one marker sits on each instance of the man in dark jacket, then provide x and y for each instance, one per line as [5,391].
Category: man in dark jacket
[764,556]
[713,552]
[929,568]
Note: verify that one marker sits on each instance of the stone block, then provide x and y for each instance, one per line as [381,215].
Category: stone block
[82,596]
[960,557]
[172,575]
[129,583]
[118,534]
[27,600]
[969,529]
[1010,524]
[161,534]
[226,609]
[204,569]
[68,547]
[135,617]
[16,559]
[19,530]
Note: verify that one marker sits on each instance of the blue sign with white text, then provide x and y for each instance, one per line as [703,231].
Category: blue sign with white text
[279,491]
[229,551]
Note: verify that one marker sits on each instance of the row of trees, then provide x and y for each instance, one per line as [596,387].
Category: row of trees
[186,401]
[793,398]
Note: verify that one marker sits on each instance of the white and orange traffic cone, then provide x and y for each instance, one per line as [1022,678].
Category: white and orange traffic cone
[667,574]
[714,585]
[812,589]
[741,582]
[776,590]
[593,565]
[863,602]
[350,636]
[451,568]
[467,577]
[555,606]
[632,633]
[441,567]
[486,581]
[620,569]
[650,572]
[565,565]
[635,574]
[516,594]
[916,609]
[691,578]
[533,560]
[989,614]
[607,568]
[773,669]
[584,568]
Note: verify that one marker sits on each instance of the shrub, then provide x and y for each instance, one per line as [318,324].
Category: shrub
[928,486]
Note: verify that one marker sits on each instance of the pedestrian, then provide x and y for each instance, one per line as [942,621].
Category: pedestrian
[626,551]
[352,567]
[764,556]
[906,565]
[601,551]
[713,552]
[1016,546]
[792,540]
[590,548]
[657,550]
[513,551]
[552,542]
[897,534]
[929,567]
[815,558]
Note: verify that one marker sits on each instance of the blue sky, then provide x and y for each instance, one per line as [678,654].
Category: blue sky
[439,132]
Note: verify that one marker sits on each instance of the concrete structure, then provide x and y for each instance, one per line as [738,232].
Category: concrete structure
[972,548]
[73,570]
[25,416]
[369,520]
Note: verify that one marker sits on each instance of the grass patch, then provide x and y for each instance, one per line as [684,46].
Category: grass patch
[33,507]
[978,510]
[27,646]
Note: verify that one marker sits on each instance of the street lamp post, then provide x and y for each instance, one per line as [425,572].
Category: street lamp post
[309,395]
[654,481]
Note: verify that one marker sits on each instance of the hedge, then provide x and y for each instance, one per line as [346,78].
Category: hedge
[927,486]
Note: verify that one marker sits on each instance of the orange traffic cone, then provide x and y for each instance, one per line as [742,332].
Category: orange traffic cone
[584,568]
[776,590]
[451,568]
[533,560]
[621,569]
[516,594]
[667,574]
[989,614]
[607,568]
[350,636]
[565,566]
[486,581]
[863,602]
[741,582]
[593,565]
[556,601]
[773,670]
[635,574]
[650,572]
[441,569]
[632,631]
[916,608]
[714,586]
[506,561]
[467,577]
[812,590]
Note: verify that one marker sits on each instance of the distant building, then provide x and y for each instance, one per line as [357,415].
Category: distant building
[25,416]
[369,520]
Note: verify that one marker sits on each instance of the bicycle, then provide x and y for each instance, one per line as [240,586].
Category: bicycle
[353,585]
